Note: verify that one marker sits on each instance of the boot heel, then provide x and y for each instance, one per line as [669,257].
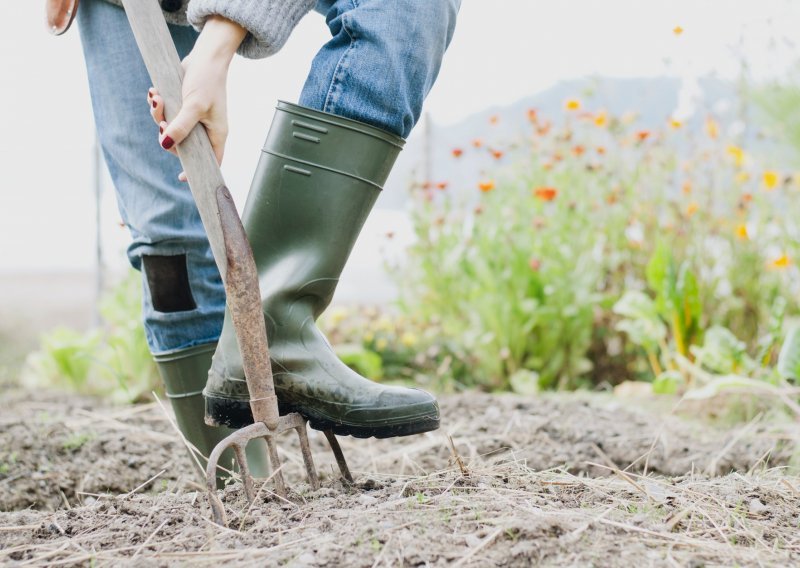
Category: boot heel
[228,412]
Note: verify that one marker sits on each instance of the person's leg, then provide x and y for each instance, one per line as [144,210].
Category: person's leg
[382,59]
[183,294]
[184,299]
[323,166]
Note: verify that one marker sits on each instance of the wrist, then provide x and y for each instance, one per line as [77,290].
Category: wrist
[220,38]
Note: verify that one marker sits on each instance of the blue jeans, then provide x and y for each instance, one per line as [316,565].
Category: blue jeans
[378,67]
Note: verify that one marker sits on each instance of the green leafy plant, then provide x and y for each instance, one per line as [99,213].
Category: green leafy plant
[112,360]
[723,353]
[677,297]
[789,357]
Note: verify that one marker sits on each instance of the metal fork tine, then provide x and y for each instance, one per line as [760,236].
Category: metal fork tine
[217,508]
[337,453]
[272,448]
[308,459]
[247,479]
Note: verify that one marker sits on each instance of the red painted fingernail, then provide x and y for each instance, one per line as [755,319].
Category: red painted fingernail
[167,143]
[150,93]
[161,130]
[154,104]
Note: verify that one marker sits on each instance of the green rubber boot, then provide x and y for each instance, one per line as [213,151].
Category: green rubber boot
[317,180]
[184,374]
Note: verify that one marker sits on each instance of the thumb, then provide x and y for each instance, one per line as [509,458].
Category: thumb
[180,127]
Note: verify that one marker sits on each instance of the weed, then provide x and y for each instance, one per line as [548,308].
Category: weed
[76,441]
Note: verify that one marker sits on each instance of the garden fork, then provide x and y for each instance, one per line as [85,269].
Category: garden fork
[234,259]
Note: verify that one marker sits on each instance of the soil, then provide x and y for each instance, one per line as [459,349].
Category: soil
[553,480]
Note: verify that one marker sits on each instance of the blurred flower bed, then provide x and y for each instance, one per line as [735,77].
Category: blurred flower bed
[596,252]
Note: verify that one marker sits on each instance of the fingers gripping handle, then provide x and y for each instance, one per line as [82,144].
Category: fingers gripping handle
[229,244]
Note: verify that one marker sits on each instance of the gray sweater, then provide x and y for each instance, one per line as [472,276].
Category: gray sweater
[268,22]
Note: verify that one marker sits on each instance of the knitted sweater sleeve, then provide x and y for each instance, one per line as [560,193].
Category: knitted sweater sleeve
[268,22]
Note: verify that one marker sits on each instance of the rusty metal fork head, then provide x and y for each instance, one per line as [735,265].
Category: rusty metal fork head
[244,305]
[238,442]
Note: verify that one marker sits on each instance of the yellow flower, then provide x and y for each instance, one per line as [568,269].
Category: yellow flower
[677,30]
[770,179]
[572,104]
[381,344]
[338,315]
[692,208]
[782,261]
[712,128]
[384,324]
[741,232]
[368,336]
[742,177]
[737,154]
[601,118]
[408,339]
[675,123]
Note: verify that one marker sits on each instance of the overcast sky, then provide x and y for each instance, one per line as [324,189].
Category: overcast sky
[503,50]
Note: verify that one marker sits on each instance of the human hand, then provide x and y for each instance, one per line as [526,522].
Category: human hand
[204,89]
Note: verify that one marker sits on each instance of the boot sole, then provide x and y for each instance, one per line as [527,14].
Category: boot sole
[237,414]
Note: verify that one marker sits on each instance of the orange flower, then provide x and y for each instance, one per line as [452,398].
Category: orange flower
[442,185]
[642,135]
[558,156]
[497,154]
[494,119]
[747,197]
[770,179]
[782,261]
[457,152]
[741,232]
[545,193]
[601,150]
[543,129]
[572,104]
[677,30]
[692,208]
[601,119]
[687,187]
[532,115]
[486,186]
[578,150]
[477,143]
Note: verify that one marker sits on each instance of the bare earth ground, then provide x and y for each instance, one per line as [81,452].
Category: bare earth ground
[553,480]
